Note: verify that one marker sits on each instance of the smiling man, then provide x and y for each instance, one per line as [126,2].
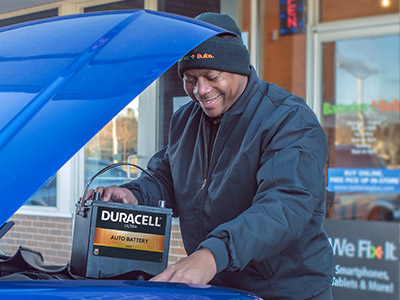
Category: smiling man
[215,91]
[244,171]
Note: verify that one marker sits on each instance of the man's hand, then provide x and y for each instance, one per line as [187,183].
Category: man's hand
[114,194]
[199,268]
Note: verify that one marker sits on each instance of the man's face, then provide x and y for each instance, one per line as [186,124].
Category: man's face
[214,90]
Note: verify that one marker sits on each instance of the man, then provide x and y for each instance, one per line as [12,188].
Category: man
[244,171]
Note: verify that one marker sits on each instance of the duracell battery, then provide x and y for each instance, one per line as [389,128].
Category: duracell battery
[111,239]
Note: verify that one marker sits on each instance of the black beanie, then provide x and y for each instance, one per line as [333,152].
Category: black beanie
[224,52]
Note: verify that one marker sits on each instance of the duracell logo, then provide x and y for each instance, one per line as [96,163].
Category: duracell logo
[139,219]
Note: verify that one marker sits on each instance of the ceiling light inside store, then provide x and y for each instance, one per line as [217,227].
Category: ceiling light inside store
[385,3]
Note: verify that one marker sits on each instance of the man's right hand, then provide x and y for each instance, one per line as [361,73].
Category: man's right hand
[113,193]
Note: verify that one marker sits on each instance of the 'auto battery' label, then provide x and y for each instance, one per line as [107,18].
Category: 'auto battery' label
[129,234]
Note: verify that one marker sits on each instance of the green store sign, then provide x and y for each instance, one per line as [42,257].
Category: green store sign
[333,109]
[375,106]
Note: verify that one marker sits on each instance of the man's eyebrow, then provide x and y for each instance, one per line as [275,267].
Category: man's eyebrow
[213,73]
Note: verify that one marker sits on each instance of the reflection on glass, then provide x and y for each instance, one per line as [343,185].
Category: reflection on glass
[46,195]
[361,116]
[116,142]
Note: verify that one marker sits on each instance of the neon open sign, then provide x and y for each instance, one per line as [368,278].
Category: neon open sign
[292,16]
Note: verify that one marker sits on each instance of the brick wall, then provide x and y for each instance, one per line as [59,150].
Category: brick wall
[284,57]
[176,250]
[53,238]
[48,235]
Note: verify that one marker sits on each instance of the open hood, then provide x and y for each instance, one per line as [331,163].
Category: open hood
[63,79]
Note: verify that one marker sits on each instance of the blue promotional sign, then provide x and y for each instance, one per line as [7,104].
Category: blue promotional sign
[363,180]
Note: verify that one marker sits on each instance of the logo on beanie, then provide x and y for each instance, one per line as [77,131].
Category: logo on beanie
[205,55]
[197,56]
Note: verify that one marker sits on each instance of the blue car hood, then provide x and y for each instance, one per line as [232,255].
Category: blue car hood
[62,79]
[116,289]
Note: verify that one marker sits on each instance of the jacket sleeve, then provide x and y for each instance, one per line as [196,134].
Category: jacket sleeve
[285,202]
[149,189]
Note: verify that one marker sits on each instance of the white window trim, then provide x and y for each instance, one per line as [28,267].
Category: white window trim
[148,124]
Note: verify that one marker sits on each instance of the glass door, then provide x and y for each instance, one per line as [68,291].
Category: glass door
[356,91]
[360,113]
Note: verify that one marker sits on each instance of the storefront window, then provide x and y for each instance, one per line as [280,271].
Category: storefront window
[334,10]
[116,142]
[361,116]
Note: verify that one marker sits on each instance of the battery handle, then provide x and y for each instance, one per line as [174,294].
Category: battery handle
[81,203]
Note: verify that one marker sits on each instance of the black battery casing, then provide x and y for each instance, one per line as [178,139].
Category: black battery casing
[111,239]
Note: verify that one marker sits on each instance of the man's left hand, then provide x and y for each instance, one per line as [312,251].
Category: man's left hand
[199,267]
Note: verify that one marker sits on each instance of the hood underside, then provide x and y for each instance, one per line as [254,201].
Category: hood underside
[63,79]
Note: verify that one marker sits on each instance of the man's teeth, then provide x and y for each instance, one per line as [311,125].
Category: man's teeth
[209,101]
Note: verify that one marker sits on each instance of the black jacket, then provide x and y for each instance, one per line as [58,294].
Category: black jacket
[259,203]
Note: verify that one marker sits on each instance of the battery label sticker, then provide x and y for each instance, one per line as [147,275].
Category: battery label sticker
[128,240]
[129,234]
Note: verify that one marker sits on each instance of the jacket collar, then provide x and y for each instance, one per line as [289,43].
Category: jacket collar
[252,85]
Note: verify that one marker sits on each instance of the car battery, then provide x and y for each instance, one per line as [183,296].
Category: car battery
[110,239]
[114,238]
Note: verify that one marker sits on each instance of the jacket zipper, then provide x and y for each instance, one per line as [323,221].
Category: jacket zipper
[206,151]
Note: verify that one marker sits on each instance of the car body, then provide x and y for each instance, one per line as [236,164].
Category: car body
[61,80]
[115,289]
[366,206]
